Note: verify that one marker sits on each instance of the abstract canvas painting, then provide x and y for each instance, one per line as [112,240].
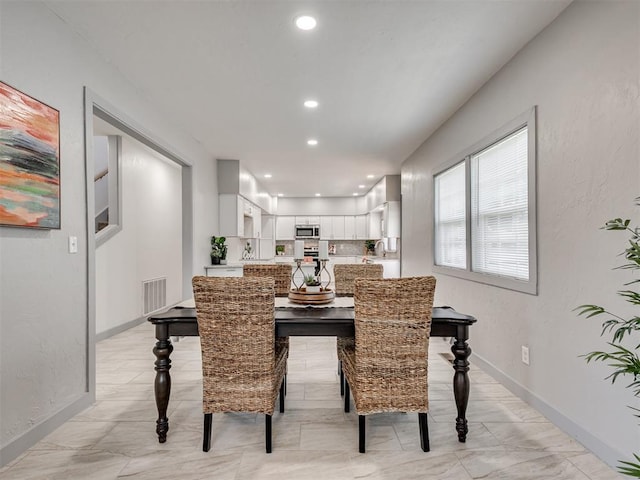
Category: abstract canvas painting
[29,161]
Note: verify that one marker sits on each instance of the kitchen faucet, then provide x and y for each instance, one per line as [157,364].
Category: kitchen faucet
[384,250]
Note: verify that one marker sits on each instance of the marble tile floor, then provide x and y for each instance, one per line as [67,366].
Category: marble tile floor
[313,439]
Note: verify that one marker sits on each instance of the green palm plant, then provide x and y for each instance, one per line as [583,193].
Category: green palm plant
[623,360]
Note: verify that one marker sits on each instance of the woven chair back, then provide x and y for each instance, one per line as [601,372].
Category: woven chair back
[346,273]
[392,328]
[280,272]
[236,325]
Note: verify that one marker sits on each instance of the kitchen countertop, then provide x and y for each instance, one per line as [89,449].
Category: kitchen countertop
[228,265]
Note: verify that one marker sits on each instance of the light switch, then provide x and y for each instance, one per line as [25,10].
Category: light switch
[73,244]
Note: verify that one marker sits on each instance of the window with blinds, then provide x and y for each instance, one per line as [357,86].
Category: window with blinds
[451,226]
[484,210]
[499,208]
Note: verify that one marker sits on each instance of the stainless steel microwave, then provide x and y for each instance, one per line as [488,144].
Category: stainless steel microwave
[307,231]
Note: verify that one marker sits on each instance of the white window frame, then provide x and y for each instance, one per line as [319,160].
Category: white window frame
[530,286]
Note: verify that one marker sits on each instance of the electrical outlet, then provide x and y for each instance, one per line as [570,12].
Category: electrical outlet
[525,355]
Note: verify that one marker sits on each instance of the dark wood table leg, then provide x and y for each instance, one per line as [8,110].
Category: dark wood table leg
[461,352]
[162,385]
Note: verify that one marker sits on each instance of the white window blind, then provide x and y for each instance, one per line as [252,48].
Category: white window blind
[485,209]
[450,218]
[499,208]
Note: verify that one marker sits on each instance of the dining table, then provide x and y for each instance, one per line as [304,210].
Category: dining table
[335,319]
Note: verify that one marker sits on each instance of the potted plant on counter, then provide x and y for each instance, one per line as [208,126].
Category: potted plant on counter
[370,247]
[218,250]
[312,284]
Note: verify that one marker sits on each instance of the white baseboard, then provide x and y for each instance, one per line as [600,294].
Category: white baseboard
[605,452]
[119,329]
[18,446]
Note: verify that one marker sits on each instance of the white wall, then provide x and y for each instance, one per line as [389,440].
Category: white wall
[44,329]
[321,206]
[150,243]
[583,74]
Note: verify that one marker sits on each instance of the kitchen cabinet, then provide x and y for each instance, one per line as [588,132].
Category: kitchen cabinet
[267,240]
[374,225]
[326,228]
[223,270]
[308,220]
[285,227]
[338,225]
[238,217]
[349,227]
[355,227]
[332,227]
[361,227]
[252,221]
[391,220]
[391,268]
[231,215]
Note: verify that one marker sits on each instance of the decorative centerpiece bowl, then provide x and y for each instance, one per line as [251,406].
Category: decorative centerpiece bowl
[303,296]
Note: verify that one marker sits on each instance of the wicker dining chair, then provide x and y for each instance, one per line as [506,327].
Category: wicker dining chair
[243,366]
[345,275]
[281,274]
[386,368]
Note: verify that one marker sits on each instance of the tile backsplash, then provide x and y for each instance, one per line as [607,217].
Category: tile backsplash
[342,247]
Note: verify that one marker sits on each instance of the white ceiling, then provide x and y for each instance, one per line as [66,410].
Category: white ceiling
[387,74]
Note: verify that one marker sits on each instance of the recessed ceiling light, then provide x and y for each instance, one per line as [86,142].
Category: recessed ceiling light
[281,194]
[360,186]
[355,194]
[369,176]
[313,142]
[306,22]
[310,103]
[317,194]
[267,175]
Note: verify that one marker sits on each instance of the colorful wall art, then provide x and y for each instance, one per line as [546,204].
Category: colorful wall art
[29,161]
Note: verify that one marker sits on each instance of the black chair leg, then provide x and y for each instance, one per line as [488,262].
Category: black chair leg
[282,394]
[347,394]
[341,378]
[424,432]
[206,440]
[267,432]
[361,433]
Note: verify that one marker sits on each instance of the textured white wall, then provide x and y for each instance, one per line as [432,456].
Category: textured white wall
[150,242]
[43,289]
[583,74]
[321,206]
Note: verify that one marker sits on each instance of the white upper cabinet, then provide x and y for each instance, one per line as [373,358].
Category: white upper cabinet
[326,228]
[256,219]
[238,217]
[231,215]
[338,227]
[308,220]
[391,219]
[362,232]
[374,220]
[349,227]
[285,227]
[268,226]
